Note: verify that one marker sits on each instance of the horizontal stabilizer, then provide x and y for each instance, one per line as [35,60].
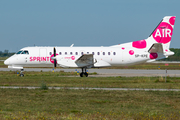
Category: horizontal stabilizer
[156,48]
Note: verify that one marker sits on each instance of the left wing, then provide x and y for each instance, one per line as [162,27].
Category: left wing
[86,60]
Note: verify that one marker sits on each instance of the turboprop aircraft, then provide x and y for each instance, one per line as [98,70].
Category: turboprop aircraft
[155,47]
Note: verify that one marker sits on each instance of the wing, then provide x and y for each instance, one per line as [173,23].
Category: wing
[85,60]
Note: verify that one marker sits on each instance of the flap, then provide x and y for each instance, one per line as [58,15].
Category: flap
[156,48]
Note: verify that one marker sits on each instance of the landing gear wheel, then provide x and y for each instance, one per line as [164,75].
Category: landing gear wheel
[21,75]
[81,74]
[86,74]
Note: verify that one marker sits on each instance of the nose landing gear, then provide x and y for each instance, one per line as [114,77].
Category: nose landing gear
[82,74]
[21,73]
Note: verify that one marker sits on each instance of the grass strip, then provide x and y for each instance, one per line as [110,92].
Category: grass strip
[88,104]
[62,79]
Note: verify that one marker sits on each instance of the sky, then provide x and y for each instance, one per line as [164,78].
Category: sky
[82,22]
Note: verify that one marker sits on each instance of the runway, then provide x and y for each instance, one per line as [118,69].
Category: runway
[82,88]
[111,72]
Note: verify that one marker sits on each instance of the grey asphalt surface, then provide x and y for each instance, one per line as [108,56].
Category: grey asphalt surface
[111,72]
[81,88]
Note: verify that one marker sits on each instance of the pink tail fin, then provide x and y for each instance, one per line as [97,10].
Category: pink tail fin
[164,31]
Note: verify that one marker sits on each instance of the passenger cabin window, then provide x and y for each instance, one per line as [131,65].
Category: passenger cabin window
[103,53]
[82,53]
[50,53]
[109,53]
[65,53]
[98,53]
[87,52]
[114,53]
[93,53]
[71,53]
[19,52]
[25,52]
[76,53]
[60,53]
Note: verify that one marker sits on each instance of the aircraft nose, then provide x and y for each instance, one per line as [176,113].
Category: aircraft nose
[7,62]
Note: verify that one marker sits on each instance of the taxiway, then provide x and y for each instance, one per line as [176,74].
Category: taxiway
[111,72]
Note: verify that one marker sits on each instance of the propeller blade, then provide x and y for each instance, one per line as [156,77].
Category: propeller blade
[55,63]
[54,59]
[54,52]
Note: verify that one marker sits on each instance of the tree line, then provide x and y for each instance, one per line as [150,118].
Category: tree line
[175,57]
[6,53]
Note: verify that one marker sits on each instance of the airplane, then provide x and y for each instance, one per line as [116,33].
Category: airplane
[155,47]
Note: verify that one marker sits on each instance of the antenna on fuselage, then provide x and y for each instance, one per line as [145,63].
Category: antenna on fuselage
[72,45]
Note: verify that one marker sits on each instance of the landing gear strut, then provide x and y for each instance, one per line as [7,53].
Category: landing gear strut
[82,74]
[21,73]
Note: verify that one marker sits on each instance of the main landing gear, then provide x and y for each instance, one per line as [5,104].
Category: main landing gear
[82,74]
[21,73]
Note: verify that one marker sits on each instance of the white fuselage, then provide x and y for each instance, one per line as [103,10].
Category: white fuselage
[66,56]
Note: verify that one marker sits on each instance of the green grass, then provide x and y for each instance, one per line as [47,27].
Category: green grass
[3,58]
[2,64]
[71,79]
[69,104]
[88,104]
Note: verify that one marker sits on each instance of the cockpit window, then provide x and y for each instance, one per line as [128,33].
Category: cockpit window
[19,52]
[25,52]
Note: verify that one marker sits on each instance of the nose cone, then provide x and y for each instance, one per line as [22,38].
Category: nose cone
[7,62]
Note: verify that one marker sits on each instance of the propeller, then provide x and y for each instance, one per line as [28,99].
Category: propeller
[55,57]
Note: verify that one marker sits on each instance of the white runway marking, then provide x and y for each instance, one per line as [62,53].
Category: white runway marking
[84,88]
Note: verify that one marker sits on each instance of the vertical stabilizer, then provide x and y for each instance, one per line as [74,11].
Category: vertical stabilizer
[163,33]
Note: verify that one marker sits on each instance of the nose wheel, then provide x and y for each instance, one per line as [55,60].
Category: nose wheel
[21,73]
[82,74]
